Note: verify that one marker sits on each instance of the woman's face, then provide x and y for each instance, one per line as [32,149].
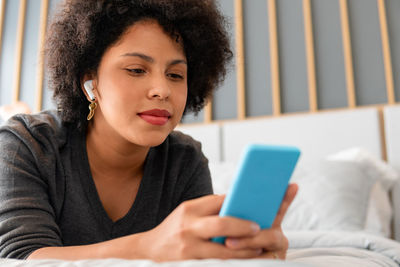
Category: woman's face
[141,86]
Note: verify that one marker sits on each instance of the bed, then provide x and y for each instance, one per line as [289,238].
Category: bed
[347,211]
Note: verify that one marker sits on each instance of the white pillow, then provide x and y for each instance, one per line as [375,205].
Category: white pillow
[380,212]
[336,195]
[386,174]
[347,191]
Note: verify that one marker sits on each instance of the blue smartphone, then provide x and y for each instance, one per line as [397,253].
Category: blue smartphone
[260,184]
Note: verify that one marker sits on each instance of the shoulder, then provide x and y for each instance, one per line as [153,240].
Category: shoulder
[41,127]
[190,165]
[184,142]
[179,148]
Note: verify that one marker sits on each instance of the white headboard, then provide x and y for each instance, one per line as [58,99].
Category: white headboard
[317,135]
[392,132]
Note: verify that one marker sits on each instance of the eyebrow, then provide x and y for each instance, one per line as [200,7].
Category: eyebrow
[151,60]
[177,61]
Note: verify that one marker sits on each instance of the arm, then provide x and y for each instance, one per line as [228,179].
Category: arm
[184,234]
[116,248]
[27,220]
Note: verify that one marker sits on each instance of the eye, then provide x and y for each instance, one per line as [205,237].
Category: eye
[136,71]
[175,76]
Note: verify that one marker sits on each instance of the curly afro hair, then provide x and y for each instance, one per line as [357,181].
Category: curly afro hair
[83,29]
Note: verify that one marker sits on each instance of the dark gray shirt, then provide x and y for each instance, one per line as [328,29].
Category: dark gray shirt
[48,196]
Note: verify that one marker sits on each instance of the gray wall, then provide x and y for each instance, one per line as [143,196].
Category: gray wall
[29,54]
[329,58]
[7,65]
[367,58]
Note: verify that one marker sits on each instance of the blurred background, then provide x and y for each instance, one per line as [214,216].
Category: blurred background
[291,56]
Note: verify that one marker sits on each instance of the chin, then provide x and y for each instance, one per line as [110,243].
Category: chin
[151,139]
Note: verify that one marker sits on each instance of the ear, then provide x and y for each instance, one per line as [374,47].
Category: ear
[88,87]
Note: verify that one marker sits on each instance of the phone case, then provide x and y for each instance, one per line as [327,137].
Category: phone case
[260,184]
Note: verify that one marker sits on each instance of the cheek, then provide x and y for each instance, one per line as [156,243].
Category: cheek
[112,101]
[119,91]
[182,98]
[116,103]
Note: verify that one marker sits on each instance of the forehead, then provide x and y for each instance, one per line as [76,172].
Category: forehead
[149,34]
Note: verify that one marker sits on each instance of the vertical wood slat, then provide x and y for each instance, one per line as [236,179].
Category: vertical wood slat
[382,133]
[18,50]
[2,12]
[208,111]
[40,72]
[310,56]
[348,57]
[386,52]
[274,54]
[240,74]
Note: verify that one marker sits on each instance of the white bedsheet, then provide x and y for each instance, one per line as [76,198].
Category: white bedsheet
[307,249]
[145,263]
[325,249]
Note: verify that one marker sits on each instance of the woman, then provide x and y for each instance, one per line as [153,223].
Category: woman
[114,180]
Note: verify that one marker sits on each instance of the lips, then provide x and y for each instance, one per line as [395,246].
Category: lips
[155,116]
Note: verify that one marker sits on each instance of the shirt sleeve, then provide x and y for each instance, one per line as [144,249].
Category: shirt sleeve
[27,218]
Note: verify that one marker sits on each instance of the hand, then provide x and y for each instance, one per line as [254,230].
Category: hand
[186,233]
[272,242]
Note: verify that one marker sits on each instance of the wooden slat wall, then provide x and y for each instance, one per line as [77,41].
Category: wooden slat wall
[241,93]
[18,51]
[40,72]
[208,112]
[312,82]
[386,52]
[240,56]
[348,57]
[2,11]
[274,53]
[388,71]
[19,45]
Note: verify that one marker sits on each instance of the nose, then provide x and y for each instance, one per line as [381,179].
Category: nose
[159,89]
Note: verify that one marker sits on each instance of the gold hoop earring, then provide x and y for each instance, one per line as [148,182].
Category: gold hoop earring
[92,107]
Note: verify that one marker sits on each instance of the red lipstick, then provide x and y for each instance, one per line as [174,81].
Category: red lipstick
[155,116]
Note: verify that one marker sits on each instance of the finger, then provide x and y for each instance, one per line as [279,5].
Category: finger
[210,249]
[269,240]
[212,226]
[287,200]
[204,206]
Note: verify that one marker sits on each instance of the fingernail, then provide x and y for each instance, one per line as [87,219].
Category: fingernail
[233,242]
[255,228]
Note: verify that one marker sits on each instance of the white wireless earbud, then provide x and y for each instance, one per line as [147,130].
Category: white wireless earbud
[89,89]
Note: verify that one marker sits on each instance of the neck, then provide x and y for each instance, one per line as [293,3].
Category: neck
[111,156]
